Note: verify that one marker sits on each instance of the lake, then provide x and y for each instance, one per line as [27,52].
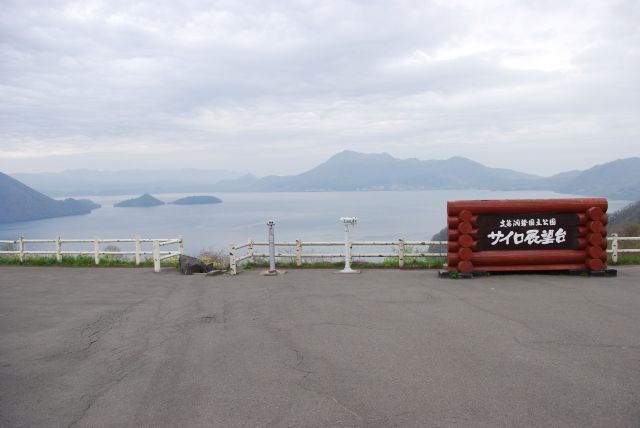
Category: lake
[309,216]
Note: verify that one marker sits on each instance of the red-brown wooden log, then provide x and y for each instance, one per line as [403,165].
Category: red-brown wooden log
[454,246]
[595,264]
[582,244]
[605,218]
[582,231]
[595,213]
[595,239]
[522,257]
[465,266]
[524,268]
[465,227]
[466,215]
[583,218]
[453,222]
[465,253]
[604,258]
[595,226]
[594,252]
[517,206]
[466,241]
[454,235]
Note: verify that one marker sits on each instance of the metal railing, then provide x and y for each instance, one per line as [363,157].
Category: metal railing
[138,252]
[401,254]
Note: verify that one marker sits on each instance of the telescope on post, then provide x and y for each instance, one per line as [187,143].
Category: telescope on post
[348,221]
[272,251]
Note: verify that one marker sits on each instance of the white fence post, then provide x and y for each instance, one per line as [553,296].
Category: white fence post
[21,248]
[156,256]
[233,268]
[59,250]
[298,252]
[138,250]
[614,248]
[181,245]
[96,250]
[251,250]
[400,252]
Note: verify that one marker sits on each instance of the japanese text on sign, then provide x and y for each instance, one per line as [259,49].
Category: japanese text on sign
[527,231]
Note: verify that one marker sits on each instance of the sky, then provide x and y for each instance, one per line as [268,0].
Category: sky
[277,87]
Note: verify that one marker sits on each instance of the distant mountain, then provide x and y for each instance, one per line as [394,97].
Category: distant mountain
[197,200]
[350,170]
[126,182]
[627,216]
[619,179]
[145,200]
[19,202]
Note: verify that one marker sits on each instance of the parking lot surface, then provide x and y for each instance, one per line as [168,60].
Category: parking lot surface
[94,347]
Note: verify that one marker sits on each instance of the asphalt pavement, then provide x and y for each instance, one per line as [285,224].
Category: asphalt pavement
[92,347]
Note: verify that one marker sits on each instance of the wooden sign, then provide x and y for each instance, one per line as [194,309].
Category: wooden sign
[527,234]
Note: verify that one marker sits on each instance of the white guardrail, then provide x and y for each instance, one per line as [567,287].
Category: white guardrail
[96,252]
[615,250]
[298,255]
[401,254]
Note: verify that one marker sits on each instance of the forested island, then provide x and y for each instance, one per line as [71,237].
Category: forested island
[145,200]
[197,200]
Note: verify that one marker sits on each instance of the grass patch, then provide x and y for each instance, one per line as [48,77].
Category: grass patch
[31,260]
[389,263]
[625,259]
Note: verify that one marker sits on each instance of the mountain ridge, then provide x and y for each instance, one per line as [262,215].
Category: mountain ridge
[19,202]
[350,171]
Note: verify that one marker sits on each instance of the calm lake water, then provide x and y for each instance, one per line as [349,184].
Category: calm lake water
[310,216]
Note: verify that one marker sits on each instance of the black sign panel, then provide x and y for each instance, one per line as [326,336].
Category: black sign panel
[534,231]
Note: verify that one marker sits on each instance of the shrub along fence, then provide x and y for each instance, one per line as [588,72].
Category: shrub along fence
[138,252]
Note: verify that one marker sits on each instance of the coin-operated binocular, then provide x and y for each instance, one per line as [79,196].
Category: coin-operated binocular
[348,221]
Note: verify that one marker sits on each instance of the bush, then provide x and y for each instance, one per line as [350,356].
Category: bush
[219,258]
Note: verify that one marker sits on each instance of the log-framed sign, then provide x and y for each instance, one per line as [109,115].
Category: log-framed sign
[527,234]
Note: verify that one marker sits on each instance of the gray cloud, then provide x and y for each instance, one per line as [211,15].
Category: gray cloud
[277,87]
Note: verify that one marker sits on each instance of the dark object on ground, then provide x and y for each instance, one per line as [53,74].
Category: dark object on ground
[145,200]
[197,200]
[190,265]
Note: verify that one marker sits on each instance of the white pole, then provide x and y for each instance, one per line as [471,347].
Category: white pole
[272,247]
[347,249]
[400,252]
[233,267]
[298,252]
[181,245]
[96,250]
[21,248]
[59,250]
[614,248]
[138,250]
[156,256]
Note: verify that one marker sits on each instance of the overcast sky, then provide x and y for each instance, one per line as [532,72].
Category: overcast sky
[277,87]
